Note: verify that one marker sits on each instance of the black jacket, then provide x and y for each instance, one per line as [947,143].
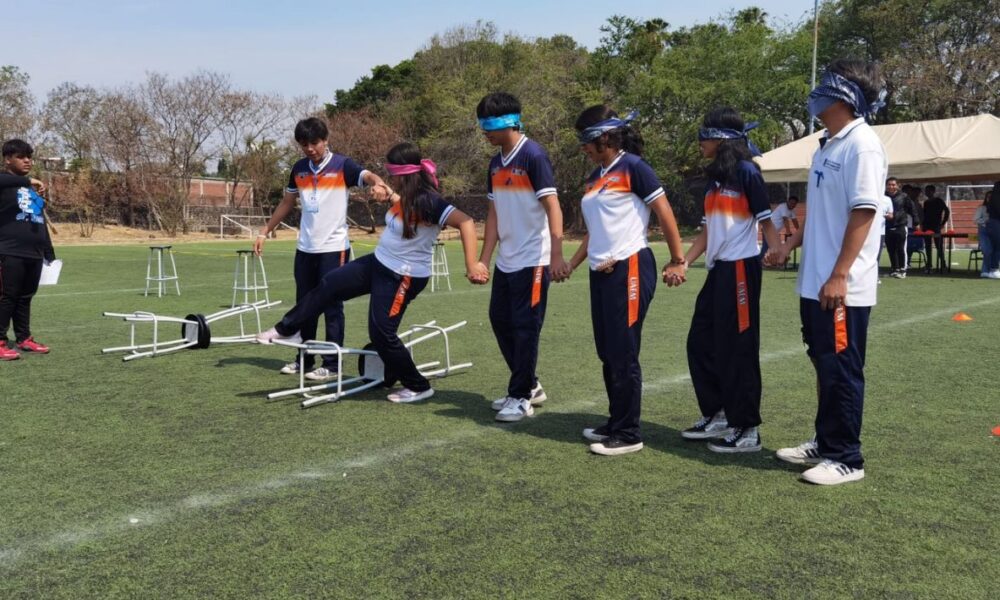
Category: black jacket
[23,232]
[902,205]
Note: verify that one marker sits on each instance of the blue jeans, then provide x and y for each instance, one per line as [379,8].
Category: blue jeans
[993,234]
[986,247]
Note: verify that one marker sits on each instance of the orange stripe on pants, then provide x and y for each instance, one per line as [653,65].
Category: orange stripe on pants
[633,289]
[397,303]
[742,296]
[536,287]
[840,329]
[343,253]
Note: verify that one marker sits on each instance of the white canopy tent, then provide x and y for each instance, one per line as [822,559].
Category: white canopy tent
[962,149]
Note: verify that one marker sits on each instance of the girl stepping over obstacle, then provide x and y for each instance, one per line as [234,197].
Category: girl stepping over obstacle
[397,271]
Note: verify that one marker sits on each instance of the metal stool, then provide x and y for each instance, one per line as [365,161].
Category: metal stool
[439,266]
[244,259]
[156,253]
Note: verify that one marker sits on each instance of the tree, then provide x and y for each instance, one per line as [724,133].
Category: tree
[70,113]
[186,113]
[16,103]
[246,119]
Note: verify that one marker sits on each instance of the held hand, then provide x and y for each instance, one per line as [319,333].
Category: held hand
[381,192]
[675,274]
[477,274]
[776,257]
[833,294]
[39,185]
[560,270]
[258,244]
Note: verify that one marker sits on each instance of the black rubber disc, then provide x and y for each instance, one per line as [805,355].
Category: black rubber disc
[204,333]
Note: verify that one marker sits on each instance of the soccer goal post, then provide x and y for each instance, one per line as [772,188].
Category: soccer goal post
[247,224]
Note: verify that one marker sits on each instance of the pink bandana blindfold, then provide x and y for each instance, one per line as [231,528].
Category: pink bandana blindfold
[427,165]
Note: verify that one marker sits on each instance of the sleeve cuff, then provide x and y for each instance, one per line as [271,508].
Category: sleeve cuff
[445,214]
[361,178]
[549,191]
[656,194]
[292,190]
[764,214]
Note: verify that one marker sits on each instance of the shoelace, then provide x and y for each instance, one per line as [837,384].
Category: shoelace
[735,435]
[702,422]
[511,403]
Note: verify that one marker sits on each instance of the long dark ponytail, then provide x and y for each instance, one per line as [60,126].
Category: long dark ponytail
[415,191]
[624,138]
[725,166]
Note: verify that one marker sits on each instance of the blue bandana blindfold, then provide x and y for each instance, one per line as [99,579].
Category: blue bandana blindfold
[715,133]
[511,121]
[833,87]
[597,130]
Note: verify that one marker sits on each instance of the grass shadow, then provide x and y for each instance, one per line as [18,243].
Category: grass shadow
[567,428]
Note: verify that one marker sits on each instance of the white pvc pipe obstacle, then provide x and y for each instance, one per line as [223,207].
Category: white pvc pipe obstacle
[371,369]
[195,330]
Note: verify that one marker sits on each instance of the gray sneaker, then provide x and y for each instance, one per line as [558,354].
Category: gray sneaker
[537,397]
[515,409]
[291,368]
[321,374]
[708,428]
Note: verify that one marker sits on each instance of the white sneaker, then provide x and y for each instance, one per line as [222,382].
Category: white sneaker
[803,454]
[831,472]
[515,409]
[708,428]
[993,274]
[321,374]
[272,335]
[499,403]
[537,397]
[406,395]
[291,368]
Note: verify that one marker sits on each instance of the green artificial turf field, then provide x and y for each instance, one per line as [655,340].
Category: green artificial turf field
[172,477]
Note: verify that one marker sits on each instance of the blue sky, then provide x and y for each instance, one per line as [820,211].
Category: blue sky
[296,48]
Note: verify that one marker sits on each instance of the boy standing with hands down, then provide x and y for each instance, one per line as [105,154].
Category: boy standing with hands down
[525,219]
[839,273]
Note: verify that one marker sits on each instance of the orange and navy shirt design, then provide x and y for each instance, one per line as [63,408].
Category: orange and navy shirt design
[528,172]
[732,212]
[335,174]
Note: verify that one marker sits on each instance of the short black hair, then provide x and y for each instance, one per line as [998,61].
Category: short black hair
[498,104]
[930,187]
[864,74]
[16,147]
[311,130]
[793,197]
[892,179]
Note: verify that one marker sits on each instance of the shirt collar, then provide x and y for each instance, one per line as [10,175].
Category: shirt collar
[842,133]
[505,160]
[322,164]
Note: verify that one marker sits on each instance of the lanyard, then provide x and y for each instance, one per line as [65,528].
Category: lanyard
[315,174]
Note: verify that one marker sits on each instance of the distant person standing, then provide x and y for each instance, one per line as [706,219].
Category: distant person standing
[320,182]
[24,246]
[993,233]
[985,246]
[784,220]
[903,214]
[885,211]
[936,217]
[837,279]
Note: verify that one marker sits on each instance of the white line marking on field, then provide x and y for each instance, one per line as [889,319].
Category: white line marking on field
[337,470]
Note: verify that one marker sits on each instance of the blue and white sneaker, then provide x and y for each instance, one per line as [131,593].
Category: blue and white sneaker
[515,409]
[831,472]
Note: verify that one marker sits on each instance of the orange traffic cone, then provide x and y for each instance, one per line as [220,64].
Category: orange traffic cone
[996,431]
[961,317]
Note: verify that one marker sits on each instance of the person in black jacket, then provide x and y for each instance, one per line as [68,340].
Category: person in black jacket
[895,230]
[936,216]
[992,261]
[24,244]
